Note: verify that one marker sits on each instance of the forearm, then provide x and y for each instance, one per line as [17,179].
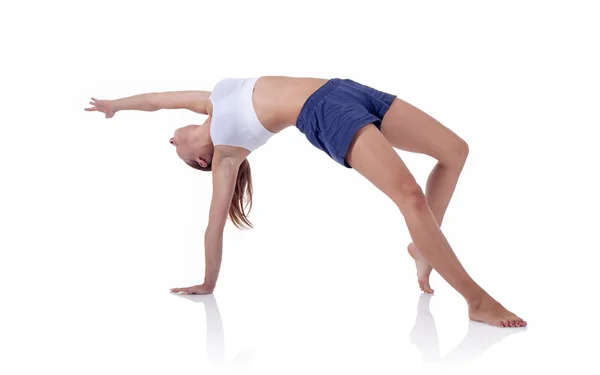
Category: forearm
[141,102]
[213,253]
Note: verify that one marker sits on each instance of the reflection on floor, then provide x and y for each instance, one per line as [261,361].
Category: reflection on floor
[215,338]
[479,338]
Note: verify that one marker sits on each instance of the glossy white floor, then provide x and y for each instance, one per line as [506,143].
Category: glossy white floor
[107,309]
[391,330]
[99,218]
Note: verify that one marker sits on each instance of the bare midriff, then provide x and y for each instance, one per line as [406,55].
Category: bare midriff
[278,100]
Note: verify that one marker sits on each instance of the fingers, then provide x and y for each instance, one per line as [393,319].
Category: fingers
[189,290]
[198,289]
[96,103]
[100,106]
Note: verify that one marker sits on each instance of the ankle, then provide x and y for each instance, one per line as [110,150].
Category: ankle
[476,300]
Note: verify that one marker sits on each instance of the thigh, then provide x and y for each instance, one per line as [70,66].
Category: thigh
[408,128]
[373,156]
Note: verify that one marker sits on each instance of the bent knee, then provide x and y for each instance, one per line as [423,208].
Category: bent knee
[462,149]
[456,153]
[410,196]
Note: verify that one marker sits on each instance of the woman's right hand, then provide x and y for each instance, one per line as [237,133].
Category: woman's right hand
[104,106]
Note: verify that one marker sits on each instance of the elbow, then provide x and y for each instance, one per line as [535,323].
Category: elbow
[214,231]
[152,102]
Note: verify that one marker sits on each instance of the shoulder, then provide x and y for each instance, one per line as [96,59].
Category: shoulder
[229,156]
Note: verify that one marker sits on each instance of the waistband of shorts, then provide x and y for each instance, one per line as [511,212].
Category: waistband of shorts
[317,96]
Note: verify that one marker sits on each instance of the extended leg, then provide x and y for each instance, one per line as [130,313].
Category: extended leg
[410,129]
[374,157]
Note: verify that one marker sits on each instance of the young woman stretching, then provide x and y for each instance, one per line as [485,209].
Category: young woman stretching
[357,126]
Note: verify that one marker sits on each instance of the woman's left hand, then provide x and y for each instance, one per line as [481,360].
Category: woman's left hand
[197,289]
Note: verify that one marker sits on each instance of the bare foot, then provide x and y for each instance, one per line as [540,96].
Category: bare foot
[423,268]
[491,312]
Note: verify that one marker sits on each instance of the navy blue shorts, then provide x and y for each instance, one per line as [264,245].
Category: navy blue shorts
[334,113]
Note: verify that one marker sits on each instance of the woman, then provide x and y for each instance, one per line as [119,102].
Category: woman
[357,126]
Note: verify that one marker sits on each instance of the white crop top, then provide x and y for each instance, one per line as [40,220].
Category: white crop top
[234,121]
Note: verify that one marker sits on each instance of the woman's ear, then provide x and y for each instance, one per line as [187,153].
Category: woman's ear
[202,162]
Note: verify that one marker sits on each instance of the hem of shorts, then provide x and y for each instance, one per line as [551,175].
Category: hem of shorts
[341,159]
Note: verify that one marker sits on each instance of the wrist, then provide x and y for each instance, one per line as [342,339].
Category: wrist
[115,105]
[209,286]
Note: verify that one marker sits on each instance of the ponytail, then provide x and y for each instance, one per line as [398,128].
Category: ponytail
[241,203]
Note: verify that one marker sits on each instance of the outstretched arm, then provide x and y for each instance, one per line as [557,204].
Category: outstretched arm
[225,173]
[224,170]
[193,100]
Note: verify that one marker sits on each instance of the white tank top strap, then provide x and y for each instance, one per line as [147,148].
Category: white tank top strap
[234,121]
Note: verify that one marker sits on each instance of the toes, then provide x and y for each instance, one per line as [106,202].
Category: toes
[426,289]
[505,323]
[516,322]
[522,323]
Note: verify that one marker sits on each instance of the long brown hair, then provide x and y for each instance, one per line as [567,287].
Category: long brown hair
[241,203]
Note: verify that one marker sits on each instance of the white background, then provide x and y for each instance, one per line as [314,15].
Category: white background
[99,218]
